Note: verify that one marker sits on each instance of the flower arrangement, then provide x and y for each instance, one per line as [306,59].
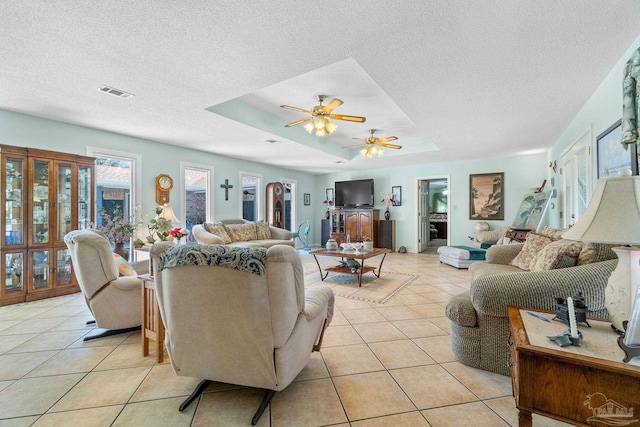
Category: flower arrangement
[116,227]
[178,233]
[328,202]
[159,229]
[387,199]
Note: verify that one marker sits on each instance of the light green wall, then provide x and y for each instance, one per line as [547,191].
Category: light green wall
[601,110]
[29,131]
[520,174]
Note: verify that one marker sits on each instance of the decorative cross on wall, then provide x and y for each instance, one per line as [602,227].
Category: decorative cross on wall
[226,187]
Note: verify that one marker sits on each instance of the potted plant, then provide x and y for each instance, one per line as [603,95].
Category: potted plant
[367,244]
[159,229]
[328,202]
[119,229]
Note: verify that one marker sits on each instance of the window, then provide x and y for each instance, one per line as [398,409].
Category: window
[116,179]
[250,202]
[196,194]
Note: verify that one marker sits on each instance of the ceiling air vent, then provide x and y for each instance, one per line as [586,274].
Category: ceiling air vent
[116,92]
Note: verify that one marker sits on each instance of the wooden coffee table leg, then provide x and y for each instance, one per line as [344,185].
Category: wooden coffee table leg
[326,273]
[380,266]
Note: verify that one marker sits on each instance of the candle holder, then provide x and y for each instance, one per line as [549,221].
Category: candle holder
[566,339]
[581,310]
[630,351]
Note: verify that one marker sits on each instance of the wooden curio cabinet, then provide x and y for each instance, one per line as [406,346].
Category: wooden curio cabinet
[355,223]
[46,195]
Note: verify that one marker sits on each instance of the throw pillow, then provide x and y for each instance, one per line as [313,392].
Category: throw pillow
[218,230]
[527,256]
[124,268]
[596,252]
[554,233]
[559,254]
[263,231]
[241,232]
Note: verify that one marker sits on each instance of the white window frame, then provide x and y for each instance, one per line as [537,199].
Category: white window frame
[209,170]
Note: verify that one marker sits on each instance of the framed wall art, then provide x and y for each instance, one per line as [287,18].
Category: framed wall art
[396,193]
[612,156]
[486,196]
[329,196]
[307,199]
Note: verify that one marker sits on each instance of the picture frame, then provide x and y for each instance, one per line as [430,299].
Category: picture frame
[396,193]
[307,199]
[329,195]
[486,196]
[531,211]
[611,154]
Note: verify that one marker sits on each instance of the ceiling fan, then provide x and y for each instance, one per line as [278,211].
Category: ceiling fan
[319,116]
[374,140]
[372,143]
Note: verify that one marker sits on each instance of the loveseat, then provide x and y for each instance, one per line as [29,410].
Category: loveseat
[479,319]
[241,233]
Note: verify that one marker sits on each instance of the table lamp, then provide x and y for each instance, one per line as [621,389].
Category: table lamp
[167,213]
[613,216]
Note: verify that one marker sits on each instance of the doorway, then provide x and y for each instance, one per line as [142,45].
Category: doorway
[433,213]
[575,173]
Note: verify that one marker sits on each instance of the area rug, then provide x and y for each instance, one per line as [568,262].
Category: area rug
[374,289]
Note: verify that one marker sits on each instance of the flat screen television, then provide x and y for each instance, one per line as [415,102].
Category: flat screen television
[354,194]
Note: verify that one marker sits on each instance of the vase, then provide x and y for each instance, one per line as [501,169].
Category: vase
[368,246]
[119,249]
[327,214]
[387,214]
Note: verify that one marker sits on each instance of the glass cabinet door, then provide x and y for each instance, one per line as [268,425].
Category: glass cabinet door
[13,273]
[40,230]
[63,267]
[84,197]
[39,270]
[14,202]
[63,190]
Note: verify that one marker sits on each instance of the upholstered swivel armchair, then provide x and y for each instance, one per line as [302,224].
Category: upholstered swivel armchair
[114,301]
[238,315]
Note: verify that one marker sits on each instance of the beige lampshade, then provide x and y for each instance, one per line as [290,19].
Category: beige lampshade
[167,213]
[613,215]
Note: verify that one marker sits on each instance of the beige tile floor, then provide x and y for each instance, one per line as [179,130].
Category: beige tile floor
[381,365]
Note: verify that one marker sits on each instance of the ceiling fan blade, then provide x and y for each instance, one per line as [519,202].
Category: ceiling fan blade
[302,110]
[297,122]
[395,147]
[348,118]
[360,139]
[387,139]
[357,145]
[332,105]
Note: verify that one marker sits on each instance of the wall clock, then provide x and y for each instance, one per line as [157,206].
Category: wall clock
[164,184]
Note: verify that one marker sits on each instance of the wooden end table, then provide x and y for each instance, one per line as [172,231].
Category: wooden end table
[355,255]
[585,386]
[152,326]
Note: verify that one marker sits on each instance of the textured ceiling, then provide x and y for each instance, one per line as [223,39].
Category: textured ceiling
[451,79]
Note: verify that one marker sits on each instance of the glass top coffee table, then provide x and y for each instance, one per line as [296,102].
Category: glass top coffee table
[360,255]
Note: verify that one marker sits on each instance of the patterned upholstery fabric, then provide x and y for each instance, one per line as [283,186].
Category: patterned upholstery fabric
[262,231]
[250,260]
[241,232]
[595,252]
[554,233]
[559,254]
[527,257]
[218,230]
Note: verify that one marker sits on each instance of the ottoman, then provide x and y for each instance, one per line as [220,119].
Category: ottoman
[460,256]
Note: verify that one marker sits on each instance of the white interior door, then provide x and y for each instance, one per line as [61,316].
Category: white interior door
[423,191]
[576,174]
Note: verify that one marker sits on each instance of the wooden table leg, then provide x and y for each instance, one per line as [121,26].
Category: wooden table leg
[380,266]
[524,418]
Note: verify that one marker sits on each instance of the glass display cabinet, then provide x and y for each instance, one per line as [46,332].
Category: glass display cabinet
[46,195]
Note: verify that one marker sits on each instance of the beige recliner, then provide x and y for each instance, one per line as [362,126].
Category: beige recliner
[115,302]
[238,315]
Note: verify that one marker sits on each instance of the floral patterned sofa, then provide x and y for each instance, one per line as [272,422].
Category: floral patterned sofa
[241,233]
